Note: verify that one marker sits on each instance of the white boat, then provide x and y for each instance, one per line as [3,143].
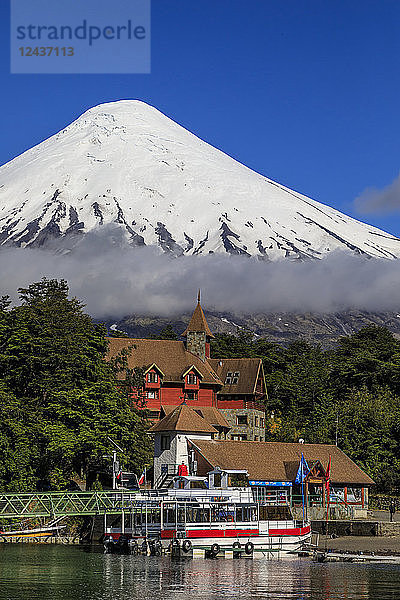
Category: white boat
[213,515]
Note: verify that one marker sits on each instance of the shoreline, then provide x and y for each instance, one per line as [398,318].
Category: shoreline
[366,544]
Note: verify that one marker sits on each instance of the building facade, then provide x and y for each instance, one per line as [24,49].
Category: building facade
[177,371]
[185,438]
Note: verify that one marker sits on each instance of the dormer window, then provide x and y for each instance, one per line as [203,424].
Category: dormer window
[152,377]
[191,379]
[232,378]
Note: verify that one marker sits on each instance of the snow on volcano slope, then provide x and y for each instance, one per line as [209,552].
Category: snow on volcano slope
[127,163]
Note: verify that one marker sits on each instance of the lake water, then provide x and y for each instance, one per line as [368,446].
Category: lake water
[73,573]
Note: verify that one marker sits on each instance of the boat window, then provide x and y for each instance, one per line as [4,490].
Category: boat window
[169,514]
[198,485]
[153,516]
[217,479]
[181,514]
[246,513]
[195,514]
[222,514]
[275,513]
[238,480]
[274,496]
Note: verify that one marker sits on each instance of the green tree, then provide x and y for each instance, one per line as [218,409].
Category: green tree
[62,397]
[368,358]
[369,432]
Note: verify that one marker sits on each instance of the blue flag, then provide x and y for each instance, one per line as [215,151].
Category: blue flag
[302,470]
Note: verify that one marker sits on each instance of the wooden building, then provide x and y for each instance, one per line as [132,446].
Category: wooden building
[177,371]
[273,466]
[185,437]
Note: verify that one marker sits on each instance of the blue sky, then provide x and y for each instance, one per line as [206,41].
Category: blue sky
[306,92]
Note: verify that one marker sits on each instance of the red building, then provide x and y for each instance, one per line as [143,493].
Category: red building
[178,371]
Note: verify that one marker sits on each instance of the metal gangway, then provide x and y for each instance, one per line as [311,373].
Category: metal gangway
[67,504]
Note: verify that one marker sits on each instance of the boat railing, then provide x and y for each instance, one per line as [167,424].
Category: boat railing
[271,497]
[212,495]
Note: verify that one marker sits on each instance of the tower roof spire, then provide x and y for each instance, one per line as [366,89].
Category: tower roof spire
[198,321]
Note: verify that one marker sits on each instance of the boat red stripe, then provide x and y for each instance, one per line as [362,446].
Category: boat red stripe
[215,533]
[294,531]
[220,533]
[227,533]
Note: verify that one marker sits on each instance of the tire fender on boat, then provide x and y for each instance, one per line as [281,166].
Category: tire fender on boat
[249,547]
[215,549]
[236,545]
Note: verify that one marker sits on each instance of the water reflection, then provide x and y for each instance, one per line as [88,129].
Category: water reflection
[68,573]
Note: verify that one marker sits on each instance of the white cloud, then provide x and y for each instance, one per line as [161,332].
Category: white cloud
[115,280]
[375,201]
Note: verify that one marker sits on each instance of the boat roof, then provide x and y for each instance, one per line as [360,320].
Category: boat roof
[191,477]
[234,471]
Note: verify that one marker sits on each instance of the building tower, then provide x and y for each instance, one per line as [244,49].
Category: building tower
[198,334]
[170,441]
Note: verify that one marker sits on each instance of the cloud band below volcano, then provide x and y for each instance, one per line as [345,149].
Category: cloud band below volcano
[115,280]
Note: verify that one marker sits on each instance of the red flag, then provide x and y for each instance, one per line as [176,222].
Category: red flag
[328,477]
[141,478]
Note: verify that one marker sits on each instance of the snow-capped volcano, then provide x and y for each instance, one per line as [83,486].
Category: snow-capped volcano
[127,163]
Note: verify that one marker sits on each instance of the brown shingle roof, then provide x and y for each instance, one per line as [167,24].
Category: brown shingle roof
[169,355]
[198,322]
[183,418]
[276,461]
[211,414]
[248,369]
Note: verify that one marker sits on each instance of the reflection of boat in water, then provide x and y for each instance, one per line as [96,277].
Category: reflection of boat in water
[211,515]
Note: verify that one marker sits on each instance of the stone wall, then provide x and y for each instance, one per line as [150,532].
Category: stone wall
[387,529]
[196,343]
[352,527]
[250,430]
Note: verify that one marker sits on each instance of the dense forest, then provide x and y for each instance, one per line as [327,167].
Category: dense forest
[59,403]
[349,395]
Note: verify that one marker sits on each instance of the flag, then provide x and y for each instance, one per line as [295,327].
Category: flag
[141,478]
[300,477]
[302,470]
[328,477]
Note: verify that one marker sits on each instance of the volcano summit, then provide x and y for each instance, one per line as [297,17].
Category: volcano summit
[127,163]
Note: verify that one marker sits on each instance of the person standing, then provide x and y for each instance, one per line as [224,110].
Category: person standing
[392,509]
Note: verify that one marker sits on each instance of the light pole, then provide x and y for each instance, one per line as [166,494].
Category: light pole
[115,462]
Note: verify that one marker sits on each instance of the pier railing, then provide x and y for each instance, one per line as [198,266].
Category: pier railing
[57,504]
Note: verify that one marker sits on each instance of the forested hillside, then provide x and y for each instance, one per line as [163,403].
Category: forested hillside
[59,403]
[350,394]
[58,398]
